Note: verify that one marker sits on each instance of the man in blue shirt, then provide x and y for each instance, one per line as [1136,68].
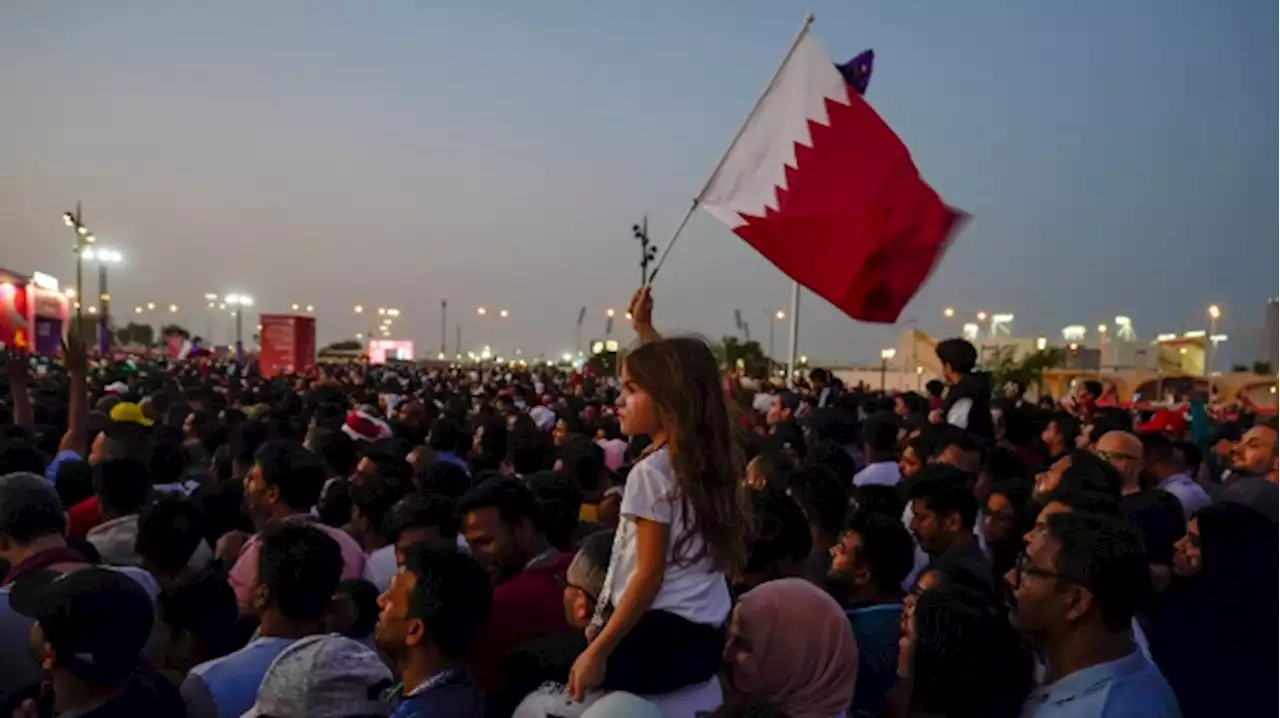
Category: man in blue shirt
[437,603]
[1075,591]
[868,564]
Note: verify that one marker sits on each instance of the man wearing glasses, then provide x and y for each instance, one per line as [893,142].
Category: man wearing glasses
[1073,594]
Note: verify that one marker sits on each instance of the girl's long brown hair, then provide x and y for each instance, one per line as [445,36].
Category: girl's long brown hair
[681,376]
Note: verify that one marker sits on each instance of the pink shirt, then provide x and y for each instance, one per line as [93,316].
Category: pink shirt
[245,570]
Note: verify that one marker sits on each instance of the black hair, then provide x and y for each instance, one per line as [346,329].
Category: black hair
[364,597]
[916,404]
[300,565]
[298,474]
[968,660]
[1106,556]
[444,435]
[1091,473]
[582,460]
[958,354]
[442,477]
[334,505]
[74,481]
[122,485]
[946,490]
[887,547]
[246,438]
[880,434]
[819,374]
[821,496]
[935,388]
[1109,418]
[374,496]
[962,442]
[1158,449]
[21,457]
[1068,427]
[29,509]
[1159,518]
[833,457]
[782,532]
[513,500]
[527,447]
[204,606]
[421,511]
[775,466]
[452,597]
[1093,387]
[337,450]
[1083,500]
[169,531]
[1192,457]
[879,499]
[560,498]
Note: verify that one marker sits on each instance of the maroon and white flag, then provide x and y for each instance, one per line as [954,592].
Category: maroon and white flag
[823,188]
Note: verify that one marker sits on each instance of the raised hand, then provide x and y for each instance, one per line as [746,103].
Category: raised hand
[641,308]
[17,361]
[75,355]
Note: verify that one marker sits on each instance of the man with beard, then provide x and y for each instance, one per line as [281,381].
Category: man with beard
[503,526]
[784,431]
[868,564]
[282,487]
[1254,459]
[1073,594]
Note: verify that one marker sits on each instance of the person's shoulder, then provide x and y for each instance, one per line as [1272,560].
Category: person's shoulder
[1142,692]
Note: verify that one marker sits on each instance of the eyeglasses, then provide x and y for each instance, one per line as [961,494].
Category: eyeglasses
[1023,567]
[1115,456]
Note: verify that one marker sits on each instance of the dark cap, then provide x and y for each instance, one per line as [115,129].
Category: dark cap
[97,620]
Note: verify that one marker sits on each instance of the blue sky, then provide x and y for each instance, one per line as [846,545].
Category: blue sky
[1118,157]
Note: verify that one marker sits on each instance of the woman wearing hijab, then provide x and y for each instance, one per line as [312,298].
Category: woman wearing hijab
[1214,628]
[790,652]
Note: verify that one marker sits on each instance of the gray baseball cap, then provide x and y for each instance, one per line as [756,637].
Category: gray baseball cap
[324,677]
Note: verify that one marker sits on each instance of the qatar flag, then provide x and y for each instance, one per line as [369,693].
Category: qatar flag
[823,188]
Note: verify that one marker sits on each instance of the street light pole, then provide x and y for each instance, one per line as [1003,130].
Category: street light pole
[83,238]
[444,326]
[885,356]
[1214,313]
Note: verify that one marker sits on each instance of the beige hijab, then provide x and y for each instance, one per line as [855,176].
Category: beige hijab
[803,658]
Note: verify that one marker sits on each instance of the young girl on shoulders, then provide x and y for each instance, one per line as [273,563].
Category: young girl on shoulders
[660,620]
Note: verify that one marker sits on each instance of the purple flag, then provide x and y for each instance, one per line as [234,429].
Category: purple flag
[857,72]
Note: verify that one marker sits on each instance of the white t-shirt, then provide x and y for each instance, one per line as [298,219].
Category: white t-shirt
[693,591]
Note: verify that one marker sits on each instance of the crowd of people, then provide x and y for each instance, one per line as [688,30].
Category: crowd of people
[192,539]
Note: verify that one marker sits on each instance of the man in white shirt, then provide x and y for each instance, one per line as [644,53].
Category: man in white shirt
[880,442]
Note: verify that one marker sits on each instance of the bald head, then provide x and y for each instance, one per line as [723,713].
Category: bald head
[1124,451]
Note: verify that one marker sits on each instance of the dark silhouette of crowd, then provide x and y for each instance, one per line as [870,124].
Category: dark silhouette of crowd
[189,538]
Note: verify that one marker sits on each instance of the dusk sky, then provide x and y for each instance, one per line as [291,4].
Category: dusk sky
[1117,158]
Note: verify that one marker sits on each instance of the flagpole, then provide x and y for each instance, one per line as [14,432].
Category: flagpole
[804,28]
[795,334]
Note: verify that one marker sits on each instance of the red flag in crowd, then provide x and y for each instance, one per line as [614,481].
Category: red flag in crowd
[823,188]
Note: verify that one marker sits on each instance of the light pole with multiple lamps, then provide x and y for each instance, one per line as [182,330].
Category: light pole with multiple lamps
[84,238]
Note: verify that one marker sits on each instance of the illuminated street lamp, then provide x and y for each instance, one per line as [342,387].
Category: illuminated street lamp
[777,316]
[1214,313]
[83,238]
[885,356]
[104,258]
[238,302]
[949,312]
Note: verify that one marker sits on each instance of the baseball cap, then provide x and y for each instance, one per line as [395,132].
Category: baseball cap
[324,677]
[1164,420]
[127,412]
[97,620]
